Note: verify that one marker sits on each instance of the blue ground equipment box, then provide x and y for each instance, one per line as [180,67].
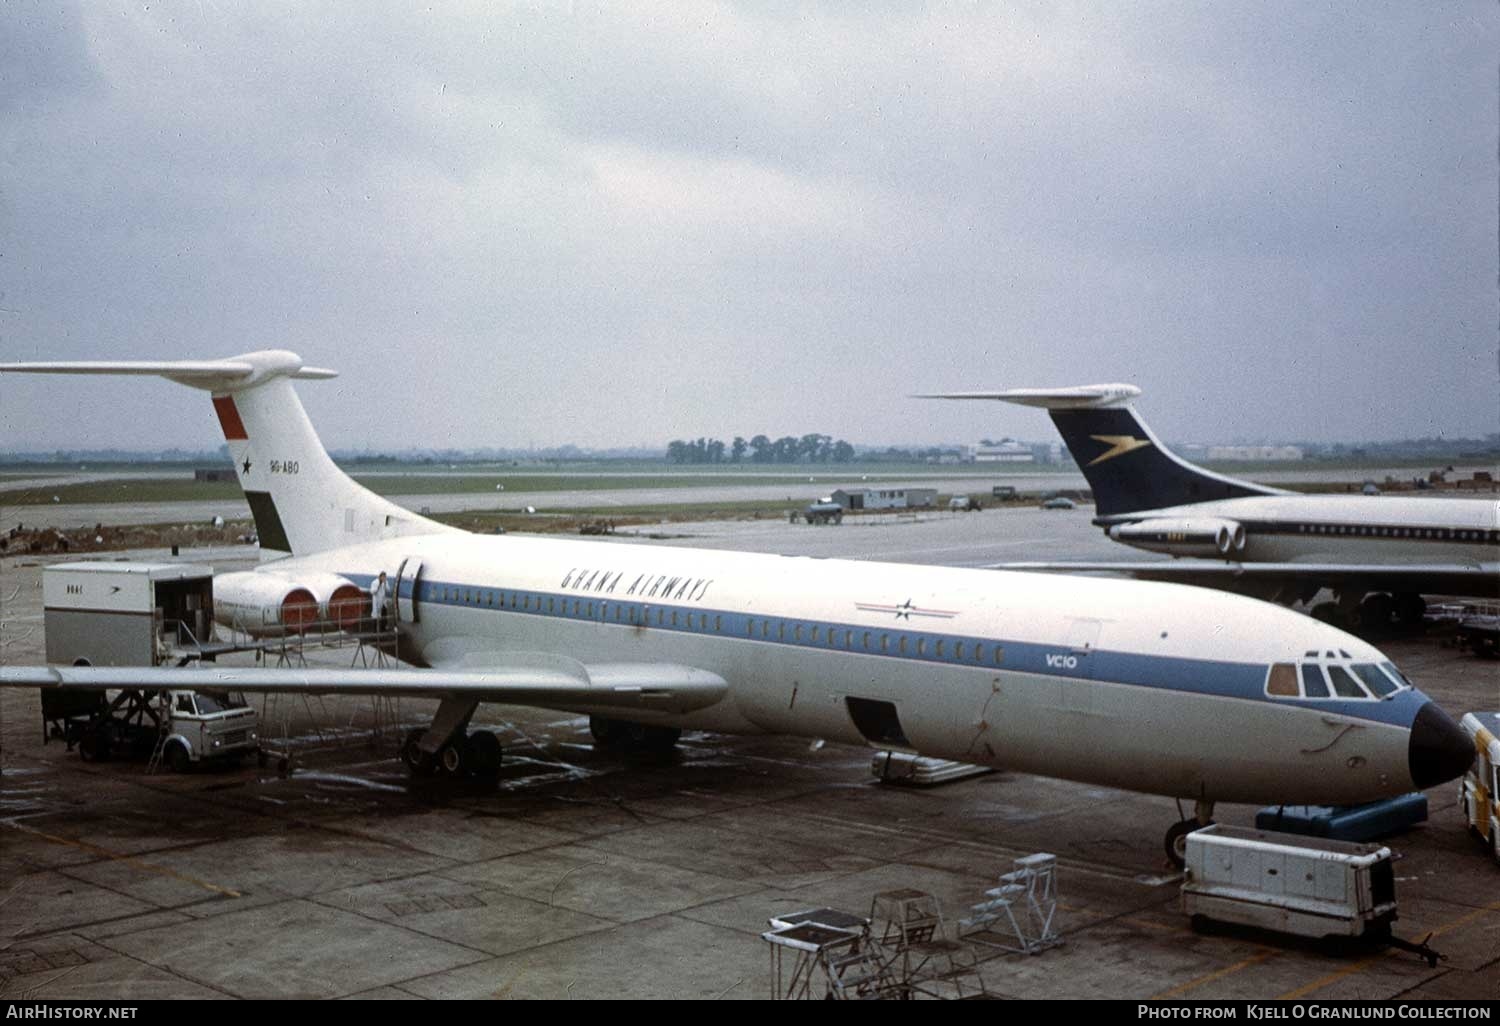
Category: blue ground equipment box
[1346,822]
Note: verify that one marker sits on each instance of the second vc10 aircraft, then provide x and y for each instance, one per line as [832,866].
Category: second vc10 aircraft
[1150,687]
[1378,554]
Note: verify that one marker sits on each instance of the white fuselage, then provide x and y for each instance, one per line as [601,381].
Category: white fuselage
[1352,529]
[1150,687]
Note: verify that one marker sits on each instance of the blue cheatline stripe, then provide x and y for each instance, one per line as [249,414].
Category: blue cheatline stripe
[1244,681]
[1336,529]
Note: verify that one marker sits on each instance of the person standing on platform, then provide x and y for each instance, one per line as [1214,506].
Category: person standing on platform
[380,591]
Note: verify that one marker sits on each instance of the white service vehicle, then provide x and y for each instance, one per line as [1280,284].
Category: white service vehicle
[201,725]
[1479,791]
[1308,886]
[146,615]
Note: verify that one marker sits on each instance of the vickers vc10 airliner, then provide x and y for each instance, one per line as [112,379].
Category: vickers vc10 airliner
[1150,687]
[1379,554]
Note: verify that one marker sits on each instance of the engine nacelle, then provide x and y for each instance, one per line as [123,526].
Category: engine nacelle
[262,603]
[1184,536]
[341,602]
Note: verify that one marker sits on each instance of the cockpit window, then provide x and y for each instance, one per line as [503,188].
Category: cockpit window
[1379,684]
[1313,684]
[1397,675]
[1334,675]
[1344,685]
[1282,680]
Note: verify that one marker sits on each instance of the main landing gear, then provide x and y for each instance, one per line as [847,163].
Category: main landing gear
[1373,613]
[447,748]
[473,755]
[622,735]
[1176,839]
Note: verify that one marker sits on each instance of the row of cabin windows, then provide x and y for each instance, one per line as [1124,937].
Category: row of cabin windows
[1366,531]
[1359,681]
[836,637]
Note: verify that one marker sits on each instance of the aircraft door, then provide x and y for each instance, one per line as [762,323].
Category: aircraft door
[1083,640]
[407,578]
[1075,666]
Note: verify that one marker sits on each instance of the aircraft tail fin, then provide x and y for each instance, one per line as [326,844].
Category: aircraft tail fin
[1127,466]
[301,501]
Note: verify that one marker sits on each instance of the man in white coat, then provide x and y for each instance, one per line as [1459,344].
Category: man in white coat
[380,591]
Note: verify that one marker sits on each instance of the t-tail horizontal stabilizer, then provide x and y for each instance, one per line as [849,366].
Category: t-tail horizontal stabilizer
[1126,465]
[302,502]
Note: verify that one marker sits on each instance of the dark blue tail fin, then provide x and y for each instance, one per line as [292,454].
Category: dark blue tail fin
[1127,467]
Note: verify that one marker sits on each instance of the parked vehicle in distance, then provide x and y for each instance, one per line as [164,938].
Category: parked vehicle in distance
[824,511]
[1059,502]
[964,503]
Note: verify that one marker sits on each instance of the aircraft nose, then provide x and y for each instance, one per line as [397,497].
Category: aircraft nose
[1439,749]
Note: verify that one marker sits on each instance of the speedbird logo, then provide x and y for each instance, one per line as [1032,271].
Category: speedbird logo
[1119,445]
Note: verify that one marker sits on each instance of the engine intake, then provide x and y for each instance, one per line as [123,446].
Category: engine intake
[261,603]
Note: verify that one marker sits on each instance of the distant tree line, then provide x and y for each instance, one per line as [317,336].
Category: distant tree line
[761,449]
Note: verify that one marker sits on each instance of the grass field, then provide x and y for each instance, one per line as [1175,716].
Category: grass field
[182,489]
[158,483]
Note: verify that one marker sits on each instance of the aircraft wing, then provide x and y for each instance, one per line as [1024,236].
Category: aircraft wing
[535,679]
[1481,580]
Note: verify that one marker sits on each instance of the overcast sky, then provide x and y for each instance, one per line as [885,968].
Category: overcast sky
[624,223]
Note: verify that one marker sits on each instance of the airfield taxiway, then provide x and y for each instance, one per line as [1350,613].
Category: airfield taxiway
[592,874]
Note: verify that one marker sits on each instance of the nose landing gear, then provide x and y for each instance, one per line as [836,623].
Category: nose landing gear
[1175,842]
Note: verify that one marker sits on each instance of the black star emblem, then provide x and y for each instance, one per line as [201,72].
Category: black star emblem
[245,467]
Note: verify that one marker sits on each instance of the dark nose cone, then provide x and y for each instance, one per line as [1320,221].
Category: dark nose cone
[1439,750]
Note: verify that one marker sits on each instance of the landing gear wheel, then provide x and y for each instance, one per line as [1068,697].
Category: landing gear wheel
[635,737]
[93,746]
[451,759]
[1375,612]
[651,739]
[178,758]
[606,732]
[1410,608]
[1328,612]
[662,739]
[1175,842]
[482,755]
[418,762]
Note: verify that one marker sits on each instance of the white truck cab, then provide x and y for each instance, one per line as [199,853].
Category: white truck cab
[207,725]
[1479,790]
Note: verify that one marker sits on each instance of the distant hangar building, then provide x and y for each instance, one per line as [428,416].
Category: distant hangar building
[885,498]
[1007,450]
[1257,453]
